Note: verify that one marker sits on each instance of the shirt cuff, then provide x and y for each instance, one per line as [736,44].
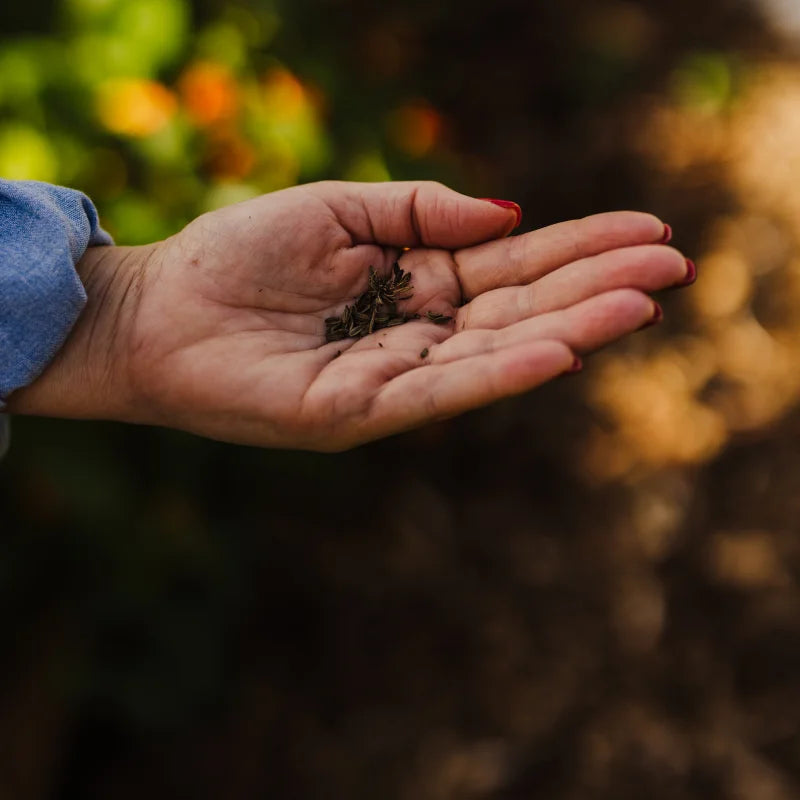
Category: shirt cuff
[44,232]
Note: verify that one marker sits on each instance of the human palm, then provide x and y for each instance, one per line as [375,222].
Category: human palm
[225,322]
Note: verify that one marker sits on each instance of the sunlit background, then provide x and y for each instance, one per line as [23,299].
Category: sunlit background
[589,592]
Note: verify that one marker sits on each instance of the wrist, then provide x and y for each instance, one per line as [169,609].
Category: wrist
[89,377]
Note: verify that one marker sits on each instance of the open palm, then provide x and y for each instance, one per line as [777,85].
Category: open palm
[228,337]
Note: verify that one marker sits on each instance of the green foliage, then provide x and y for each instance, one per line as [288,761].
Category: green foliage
[161,111]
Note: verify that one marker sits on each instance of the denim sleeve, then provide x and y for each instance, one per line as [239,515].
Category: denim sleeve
[44,231]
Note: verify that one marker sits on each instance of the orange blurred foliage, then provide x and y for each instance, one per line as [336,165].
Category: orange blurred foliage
[228,156]
[209,93]
[135,106]
[414,128]
[284,95]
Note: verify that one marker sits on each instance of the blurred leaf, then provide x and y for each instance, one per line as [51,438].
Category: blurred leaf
[369,167]
[25,154]
[705,81]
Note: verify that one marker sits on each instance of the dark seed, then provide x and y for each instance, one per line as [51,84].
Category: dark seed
[424,353]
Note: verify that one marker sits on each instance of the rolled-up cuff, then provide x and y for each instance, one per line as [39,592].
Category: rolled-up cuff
[44,232]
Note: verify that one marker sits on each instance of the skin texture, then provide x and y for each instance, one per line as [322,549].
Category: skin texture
[220,330]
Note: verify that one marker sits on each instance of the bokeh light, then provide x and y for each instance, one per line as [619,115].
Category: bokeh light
[134,107]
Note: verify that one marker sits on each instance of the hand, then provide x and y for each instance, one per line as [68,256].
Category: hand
[220,329]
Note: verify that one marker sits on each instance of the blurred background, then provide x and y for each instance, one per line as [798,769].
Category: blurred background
[589,592]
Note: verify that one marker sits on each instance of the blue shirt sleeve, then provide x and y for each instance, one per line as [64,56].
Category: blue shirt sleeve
[44,231]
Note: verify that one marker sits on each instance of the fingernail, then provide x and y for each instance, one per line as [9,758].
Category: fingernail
[658,315]
[506,204]
[691,273]
[667,238]
[577,366]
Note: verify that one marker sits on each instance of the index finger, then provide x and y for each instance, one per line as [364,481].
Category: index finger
[521,259]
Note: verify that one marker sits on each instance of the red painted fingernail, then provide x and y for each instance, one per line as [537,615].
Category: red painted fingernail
[506,204]
[667,238]
[577,366]
[658,315]
[691,273]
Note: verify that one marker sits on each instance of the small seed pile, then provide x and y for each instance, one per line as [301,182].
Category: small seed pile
[376,308]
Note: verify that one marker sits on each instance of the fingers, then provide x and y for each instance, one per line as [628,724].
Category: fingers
[444,390]
[583,327]
[522,259]
[414,213]
[401,388]
[647,268]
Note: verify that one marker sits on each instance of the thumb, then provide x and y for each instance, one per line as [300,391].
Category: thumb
[414,213]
